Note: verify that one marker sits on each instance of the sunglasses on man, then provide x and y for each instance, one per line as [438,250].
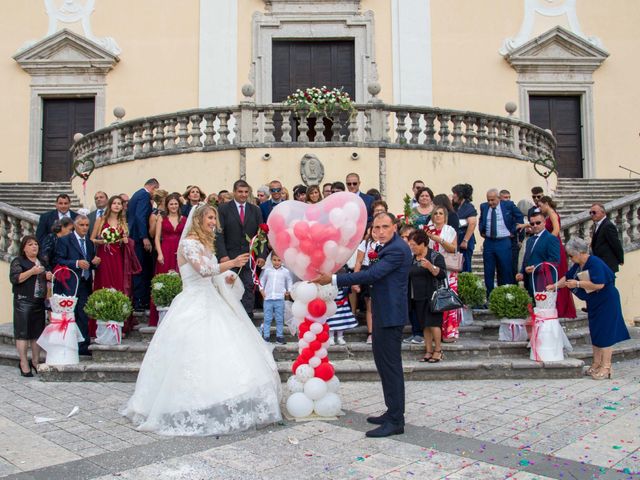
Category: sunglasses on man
[536,197]
[275,190]
[536,223]
[592,212]
[352,184]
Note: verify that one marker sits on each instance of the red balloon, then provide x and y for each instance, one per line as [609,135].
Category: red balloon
[324,360]
[276,222]
[317,307]
[301,230]
[310,273]
[324,371]
[331,233]
[316,231]
[325,327]
[306,353]
[314,346]
[322,337]
[317,258]
[295,366]
[313,212]
[303,328]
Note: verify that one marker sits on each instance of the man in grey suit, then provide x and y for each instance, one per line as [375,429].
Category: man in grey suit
[238,220]
[101,199]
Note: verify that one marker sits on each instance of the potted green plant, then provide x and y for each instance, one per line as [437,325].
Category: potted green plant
[164,288]
[510,303]
[472,293]
[110,308]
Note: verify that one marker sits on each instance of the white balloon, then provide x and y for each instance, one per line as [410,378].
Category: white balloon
[302,344]
[327,292]
[290,255]
[320,320]
[299,405]
[314,362]
[294,385]
[328,406]
[292,292]
[330,248]
[306,291]
[285,210]
[315,388]
[351,211]
[333,385]
[315,328]
[343,255]
[337,217]
[304,372]
[321,353]
[294,240]
[327,266]
[299,310]
[309,336]
[302,261]
[347,230]
[332,308]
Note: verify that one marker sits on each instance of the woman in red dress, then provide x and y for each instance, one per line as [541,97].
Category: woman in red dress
[564,303]
[116,264]
[166,238]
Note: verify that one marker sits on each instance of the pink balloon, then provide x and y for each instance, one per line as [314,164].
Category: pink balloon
[302,231]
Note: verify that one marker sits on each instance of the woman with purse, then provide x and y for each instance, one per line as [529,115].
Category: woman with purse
[442,239]
[427,269]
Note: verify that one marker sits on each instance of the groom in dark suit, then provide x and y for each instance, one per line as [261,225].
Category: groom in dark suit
[238,220]
[389,279]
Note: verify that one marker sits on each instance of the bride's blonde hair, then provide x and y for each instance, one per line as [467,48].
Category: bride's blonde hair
[198,230]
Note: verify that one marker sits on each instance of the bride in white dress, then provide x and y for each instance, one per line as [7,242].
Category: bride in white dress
[207,370]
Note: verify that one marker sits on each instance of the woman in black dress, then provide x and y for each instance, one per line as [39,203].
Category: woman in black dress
[29,279]
[427,270]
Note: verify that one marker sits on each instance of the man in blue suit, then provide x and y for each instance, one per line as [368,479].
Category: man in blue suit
[353,185]
[389,279]
[138,212]
[78,253]
[541,247]
[498,223]
[47,219]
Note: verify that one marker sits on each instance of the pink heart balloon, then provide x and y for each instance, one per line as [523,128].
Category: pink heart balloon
[317,238]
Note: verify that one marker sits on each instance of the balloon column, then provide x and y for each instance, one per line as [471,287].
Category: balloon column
[313,239]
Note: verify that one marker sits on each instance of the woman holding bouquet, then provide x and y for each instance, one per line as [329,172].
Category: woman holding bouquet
[118,262]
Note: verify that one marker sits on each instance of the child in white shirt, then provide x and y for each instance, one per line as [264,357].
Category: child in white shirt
[275,283]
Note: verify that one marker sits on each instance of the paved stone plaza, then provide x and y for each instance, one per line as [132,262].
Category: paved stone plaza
[520,429]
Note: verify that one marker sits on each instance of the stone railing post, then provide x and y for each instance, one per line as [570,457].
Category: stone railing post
[247,108]
[375,114]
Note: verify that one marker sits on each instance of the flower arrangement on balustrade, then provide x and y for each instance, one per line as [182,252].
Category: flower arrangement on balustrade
[110,308]
[164,288]
[323,101]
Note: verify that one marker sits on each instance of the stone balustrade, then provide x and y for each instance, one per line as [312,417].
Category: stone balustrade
[374,124]
[15,223]
[623,212]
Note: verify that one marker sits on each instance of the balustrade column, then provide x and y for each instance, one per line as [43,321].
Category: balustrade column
[319,128]
[269,128]
[158,137]
[286,126]
[223,130]
[303,126]
[183,133]
[469,131]
[196,132]
[443,132]
[457,131]
[209,130]
[429,128]
[147,137]
[401,128]
[5,230]
[335,128]
[170,134]
[415,127]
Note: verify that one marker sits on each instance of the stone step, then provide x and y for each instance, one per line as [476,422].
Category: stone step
[596,181]
[36,197]
[350,370]
[463,348]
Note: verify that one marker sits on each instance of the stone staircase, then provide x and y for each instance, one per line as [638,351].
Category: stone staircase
[476,355]
[36,197]
[575,195]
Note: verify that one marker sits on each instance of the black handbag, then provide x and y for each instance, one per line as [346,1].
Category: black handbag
[444,299]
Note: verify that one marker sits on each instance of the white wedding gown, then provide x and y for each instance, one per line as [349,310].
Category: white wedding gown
[207,370]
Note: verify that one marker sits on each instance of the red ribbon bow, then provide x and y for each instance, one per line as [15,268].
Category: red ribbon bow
[63,324]
[116,330]
[62,273]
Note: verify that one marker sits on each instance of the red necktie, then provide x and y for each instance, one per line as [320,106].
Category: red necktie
[242,214]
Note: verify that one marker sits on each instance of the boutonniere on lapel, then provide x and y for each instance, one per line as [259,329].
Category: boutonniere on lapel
[373,255]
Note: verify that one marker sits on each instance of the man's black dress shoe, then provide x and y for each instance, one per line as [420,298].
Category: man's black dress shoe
[385,430]
[379,420]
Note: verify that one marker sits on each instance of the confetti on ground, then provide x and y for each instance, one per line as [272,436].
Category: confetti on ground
[617,447]
[610,408]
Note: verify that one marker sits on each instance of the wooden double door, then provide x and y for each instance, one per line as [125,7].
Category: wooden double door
[300,64]
[62,119]
[561,115]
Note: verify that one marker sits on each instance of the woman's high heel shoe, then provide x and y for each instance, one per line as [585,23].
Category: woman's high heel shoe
[33,367]
[28,374]
[435,359]
[602,373]
[592,369]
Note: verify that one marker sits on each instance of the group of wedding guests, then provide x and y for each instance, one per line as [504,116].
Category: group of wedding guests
[126,240]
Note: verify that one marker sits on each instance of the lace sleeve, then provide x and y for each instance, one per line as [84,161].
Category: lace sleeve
[197,256]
